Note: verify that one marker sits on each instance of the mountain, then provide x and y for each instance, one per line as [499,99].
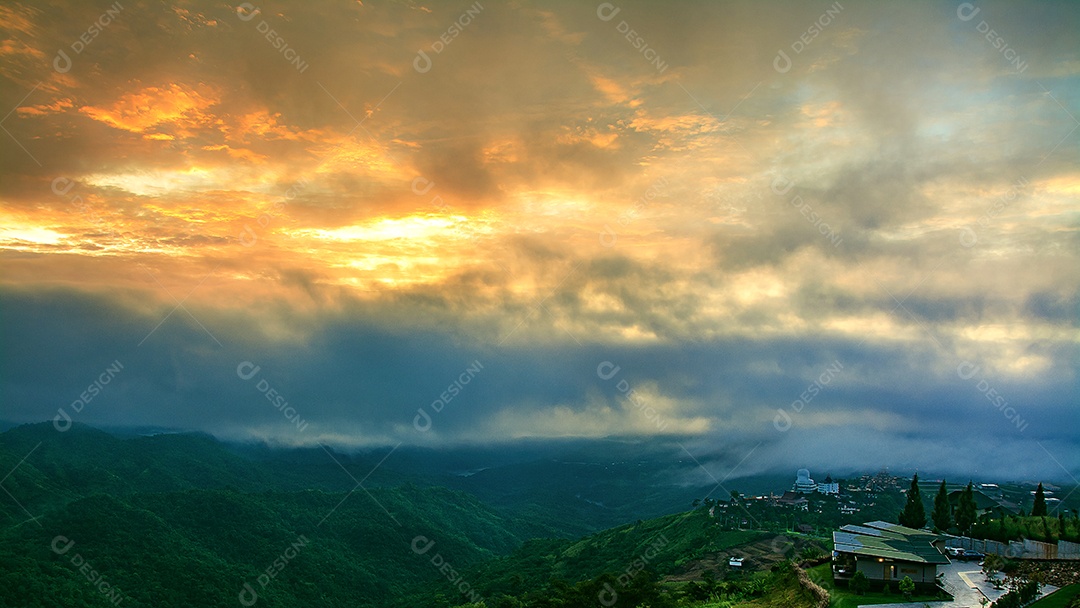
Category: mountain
[200,547]
[569,488]
[183,519]
[180,519]
[674,560]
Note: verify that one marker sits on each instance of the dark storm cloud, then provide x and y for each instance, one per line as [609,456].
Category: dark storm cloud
[368,383]
[363,295]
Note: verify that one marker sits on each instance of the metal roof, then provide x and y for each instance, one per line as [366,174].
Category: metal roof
[889,541]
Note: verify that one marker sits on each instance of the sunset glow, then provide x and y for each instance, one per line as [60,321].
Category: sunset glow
[536,190]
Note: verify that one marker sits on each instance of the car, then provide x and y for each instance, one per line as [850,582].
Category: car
[965,555]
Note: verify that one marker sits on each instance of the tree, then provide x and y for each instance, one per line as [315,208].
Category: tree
[907,587]
[809,554]
[965,510]
[914,514]
[708,580]
[1039,508]
[859,583]
[942,515]
[991,564]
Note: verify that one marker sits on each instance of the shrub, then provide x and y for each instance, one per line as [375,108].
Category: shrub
[859,583]
[907,587]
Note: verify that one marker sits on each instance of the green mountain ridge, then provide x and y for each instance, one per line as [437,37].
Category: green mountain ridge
[181,519]
[185,520]
[666,561]
[199,547]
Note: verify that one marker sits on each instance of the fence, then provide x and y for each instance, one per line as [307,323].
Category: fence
[1025,549]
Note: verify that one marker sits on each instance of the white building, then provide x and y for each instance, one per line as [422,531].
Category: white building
[803,483]
[828,486]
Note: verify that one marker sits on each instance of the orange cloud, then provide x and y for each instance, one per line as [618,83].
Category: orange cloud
[176,108]
[18,19]
[59,106]
[264,125]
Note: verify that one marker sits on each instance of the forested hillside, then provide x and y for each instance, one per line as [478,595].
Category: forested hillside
[183,520]
[199,547]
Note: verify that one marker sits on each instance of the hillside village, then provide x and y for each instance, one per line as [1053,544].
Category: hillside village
[1019,534]
[835,502]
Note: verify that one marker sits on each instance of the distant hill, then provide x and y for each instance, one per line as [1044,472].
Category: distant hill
[567,488]
[672,541]
[182,519]
[663,546]
[199,547]
[185,520]
[672,560]
[170,461]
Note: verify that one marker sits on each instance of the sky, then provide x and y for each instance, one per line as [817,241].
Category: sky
[779,233]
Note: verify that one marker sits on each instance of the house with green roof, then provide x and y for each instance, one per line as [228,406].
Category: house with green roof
[887,552]
[983,503]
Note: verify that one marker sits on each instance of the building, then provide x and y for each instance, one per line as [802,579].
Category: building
[983,503]
[803,483]
[886,552]
[792,499]
[828,486]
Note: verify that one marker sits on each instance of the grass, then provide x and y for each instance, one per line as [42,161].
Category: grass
[785,592]
[1059,598]
[842,598]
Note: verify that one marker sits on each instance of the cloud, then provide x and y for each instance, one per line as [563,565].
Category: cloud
[543,199]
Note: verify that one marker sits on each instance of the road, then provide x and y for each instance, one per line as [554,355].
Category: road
[968,585]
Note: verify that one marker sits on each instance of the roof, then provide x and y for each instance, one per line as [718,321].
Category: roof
[982,501]
[790,497]
[891,541]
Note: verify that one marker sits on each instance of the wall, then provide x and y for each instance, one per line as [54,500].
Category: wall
[1026,549]
[879,571]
